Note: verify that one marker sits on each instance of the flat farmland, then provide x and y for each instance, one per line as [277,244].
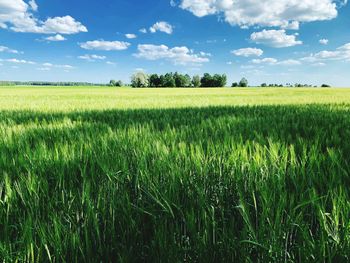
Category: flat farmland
[174,175]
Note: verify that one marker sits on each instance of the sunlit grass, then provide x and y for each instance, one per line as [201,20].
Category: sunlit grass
[97,98]
[83,179]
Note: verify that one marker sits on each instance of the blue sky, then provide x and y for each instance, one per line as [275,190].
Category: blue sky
[273,41]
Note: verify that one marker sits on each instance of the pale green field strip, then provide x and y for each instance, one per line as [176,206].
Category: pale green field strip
[100,98]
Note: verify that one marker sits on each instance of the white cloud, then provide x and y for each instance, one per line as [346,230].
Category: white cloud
[92,57]
[324,41]
[294,25]
[20,61]
[105,45]
[275,38]
[44,69]
[56,38]
[162,27]
[8,50]
[248,52]
[319,64]
[273,61]
[63,25]
[130,36]
[280,13]
[50,65]
[111,63]
[143,30]
[33,5]
[205,54]
[178,55]
[265,61]
[341,53]
[17,15]
[64,66]
[289,62]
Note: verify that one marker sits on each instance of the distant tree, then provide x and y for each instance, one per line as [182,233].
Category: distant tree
[263,85]
[219,80]
[206,80]
[325,86]
[187,80]
[169,80]
[155,81]
[182,80]
[196,81]
[234,85]
[243,83]
[112,83]
[119,83]
[139,80]
[162,80]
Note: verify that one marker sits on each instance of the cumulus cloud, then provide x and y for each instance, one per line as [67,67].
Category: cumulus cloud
[341,53]
[275,38]
[248,52]
[56,38]
[143,30]
[280,13]
[8,50]
[178,55]
[130,36]
[17,15]
[324,41]
[105,45]
[161,27]
[33,5]
[92,57]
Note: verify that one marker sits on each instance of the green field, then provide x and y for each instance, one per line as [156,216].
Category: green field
[174,175]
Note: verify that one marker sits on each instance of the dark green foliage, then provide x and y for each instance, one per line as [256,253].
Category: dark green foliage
[234,85]
[155,81]
[114,83]
[213,81]
[169,80]
[243,83]
[119,83]
[48,83]
[182,80]
[221,184]
[325,86]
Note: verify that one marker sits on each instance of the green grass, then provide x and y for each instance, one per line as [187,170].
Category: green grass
[83,98]
[214,175]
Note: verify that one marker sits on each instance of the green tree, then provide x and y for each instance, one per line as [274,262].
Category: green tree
[182,80]
[243,83]
[112,83]
[206,80]
[139,80]
[155,81]
[219,80]
[169,80]
[196,81]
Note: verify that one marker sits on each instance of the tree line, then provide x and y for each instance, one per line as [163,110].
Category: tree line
[172,80]
[47,83]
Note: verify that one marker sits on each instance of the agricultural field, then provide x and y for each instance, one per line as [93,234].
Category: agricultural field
[174,175]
